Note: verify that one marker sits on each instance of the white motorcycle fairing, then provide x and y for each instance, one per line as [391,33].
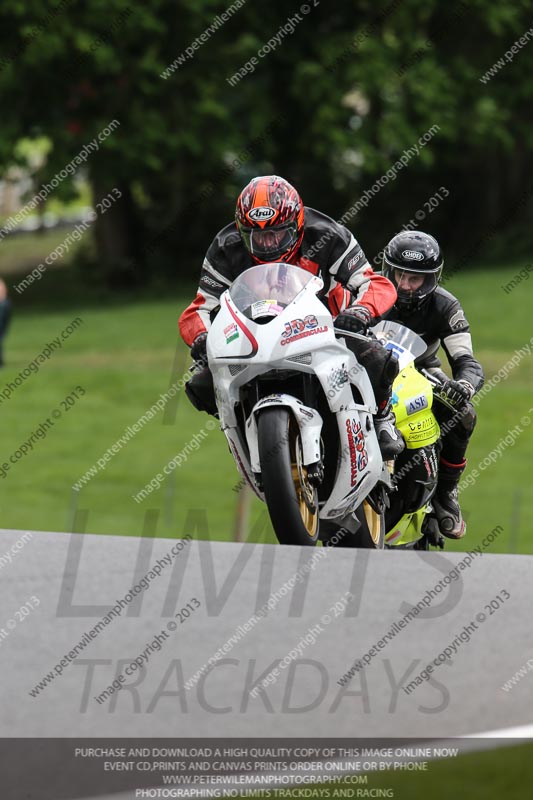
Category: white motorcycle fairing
[296,335]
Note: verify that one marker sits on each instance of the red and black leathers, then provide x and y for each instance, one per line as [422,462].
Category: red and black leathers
[328,250]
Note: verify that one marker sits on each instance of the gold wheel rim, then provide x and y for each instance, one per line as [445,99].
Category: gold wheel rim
[373,520]
[305,493]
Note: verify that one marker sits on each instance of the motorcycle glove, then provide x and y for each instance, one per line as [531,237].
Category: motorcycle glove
[354,319]
[457,393]
[199,348]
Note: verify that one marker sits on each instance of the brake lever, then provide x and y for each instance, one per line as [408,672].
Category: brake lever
[361,336]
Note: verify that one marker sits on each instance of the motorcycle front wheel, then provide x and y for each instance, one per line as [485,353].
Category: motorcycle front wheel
[291,500]
[370,532]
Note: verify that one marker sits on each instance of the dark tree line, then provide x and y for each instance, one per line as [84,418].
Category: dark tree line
[341,94]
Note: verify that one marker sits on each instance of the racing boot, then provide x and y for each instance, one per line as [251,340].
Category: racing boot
[390,439]
[445,501]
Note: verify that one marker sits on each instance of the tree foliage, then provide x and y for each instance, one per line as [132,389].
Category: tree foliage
[331,107]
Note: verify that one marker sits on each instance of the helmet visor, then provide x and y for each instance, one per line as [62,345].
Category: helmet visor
[269,244]
[413,286]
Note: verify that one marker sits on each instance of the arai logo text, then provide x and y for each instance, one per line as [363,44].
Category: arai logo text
[261,213]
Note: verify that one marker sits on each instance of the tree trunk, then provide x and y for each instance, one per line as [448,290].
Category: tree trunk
[118,235]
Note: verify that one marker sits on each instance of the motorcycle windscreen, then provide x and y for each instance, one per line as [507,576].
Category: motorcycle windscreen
[404,343]
[265,290]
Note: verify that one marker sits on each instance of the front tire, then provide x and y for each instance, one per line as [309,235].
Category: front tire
[370,534]
[291,500]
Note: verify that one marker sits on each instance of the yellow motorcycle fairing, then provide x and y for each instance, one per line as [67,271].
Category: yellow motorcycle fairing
[412,400]
[408,529]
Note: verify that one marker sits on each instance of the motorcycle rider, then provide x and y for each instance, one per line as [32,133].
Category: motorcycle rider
[413,261]
[272,225]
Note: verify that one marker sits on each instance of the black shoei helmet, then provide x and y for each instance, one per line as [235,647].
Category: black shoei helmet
[413,251]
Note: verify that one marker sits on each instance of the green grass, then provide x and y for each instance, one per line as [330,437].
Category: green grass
[123,356]
[20,254]
[500,325]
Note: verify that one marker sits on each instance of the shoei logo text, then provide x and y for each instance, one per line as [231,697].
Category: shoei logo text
[412,255]
[261,213]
